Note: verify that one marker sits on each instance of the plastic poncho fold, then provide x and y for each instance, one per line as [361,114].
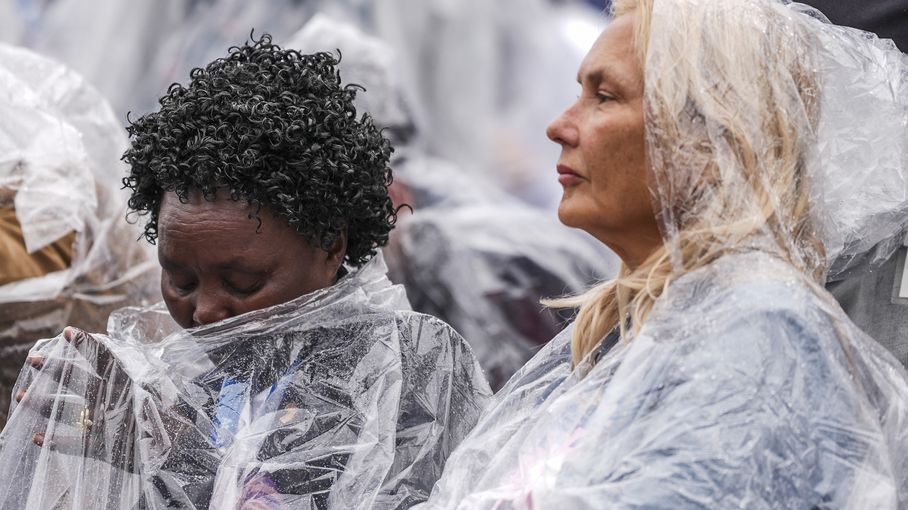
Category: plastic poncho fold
[746,386]
[760,407]
[339,399]
[60,168]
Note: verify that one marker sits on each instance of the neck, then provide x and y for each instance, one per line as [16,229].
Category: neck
[634,250]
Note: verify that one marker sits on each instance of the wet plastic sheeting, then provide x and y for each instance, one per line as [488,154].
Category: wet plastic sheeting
[340,399]
[746,386]
[762,407]
[60,148]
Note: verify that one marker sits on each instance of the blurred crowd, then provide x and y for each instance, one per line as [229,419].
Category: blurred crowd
[462,65]
[463,91]
[454,103]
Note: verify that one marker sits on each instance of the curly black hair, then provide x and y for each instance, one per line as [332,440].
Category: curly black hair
[275,128]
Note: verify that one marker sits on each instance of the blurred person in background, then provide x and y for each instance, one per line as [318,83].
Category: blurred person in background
[468,66]
[157,41]
[719,148]
[873,290]
[283,369]
[470,253]
[464,64]
[67,254]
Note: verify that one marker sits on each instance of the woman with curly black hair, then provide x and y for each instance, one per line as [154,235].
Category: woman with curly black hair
[274,132]
[301,379]
[278,129]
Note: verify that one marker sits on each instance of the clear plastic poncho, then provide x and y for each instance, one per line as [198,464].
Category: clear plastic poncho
[338,399]
[60,148]
[746,386]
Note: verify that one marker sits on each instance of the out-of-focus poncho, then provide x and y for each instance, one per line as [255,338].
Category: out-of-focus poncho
[339,399]
[746,386]
[483,265]
[60,148]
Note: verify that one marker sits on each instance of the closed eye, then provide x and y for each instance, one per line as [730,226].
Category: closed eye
[243,289]
[184,288]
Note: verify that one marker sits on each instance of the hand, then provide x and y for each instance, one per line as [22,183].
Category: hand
[83,391]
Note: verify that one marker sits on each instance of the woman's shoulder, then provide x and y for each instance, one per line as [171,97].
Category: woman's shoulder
[743,284]
[752,312]
[420,331]
[434,355]
[753,305]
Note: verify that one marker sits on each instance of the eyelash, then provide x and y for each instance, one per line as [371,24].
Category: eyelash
[601,97]
[187,288]
[244,291]
[184,289]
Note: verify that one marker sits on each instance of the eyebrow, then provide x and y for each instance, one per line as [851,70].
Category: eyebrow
[167,263]
[239,264]
[601,73]
[236,264]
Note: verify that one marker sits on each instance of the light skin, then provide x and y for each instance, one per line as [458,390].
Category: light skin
[603,156]
[218,262]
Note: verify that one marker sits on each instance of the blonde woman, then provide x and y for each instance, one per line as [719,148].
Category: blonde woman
[728,151]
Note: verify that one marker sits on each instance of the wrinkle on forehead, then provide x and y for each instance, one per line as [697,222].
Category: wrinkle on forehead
[201,214]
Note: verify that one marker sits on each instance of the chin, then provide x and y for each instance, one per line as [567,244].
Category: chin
[567,214]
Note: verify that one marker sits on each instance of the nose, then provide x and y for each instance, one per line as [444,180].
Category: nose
[563,130]
[209,308]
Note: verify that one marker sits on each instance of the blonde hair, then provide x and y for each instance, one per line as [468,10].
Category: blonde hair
[729,130]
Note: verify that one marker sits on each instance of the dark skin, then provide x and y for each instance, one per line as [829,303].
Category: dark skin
[217,262]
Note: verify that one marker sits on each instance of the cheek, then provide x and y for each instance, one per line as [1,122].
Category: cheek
[301,271]
[616,154]
[281,288]
[298,283]
[617,162]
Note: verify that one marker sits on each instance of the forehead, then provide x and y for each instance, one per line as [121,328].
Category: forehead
[613,57]
[198,209]
[218,222]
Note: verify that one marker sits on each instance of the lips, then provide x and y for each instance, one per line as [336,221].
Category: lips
[567,176]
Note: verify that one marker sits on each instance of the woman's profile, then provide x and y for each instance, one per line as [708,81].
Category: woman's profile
[728,152]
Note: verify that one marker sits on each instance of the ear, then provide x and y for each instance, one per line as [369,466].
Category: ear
[335,254]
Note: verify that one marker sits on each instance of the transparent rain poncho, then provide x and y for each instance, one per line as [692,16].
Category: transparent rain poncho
[60,168]
[746,386]
[339,399]
[470,253]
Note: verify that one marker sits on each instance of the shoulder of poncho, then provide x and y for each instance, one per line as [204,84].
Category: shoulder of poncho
[749,282]
[739,302]
[419,324]
[411,319]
